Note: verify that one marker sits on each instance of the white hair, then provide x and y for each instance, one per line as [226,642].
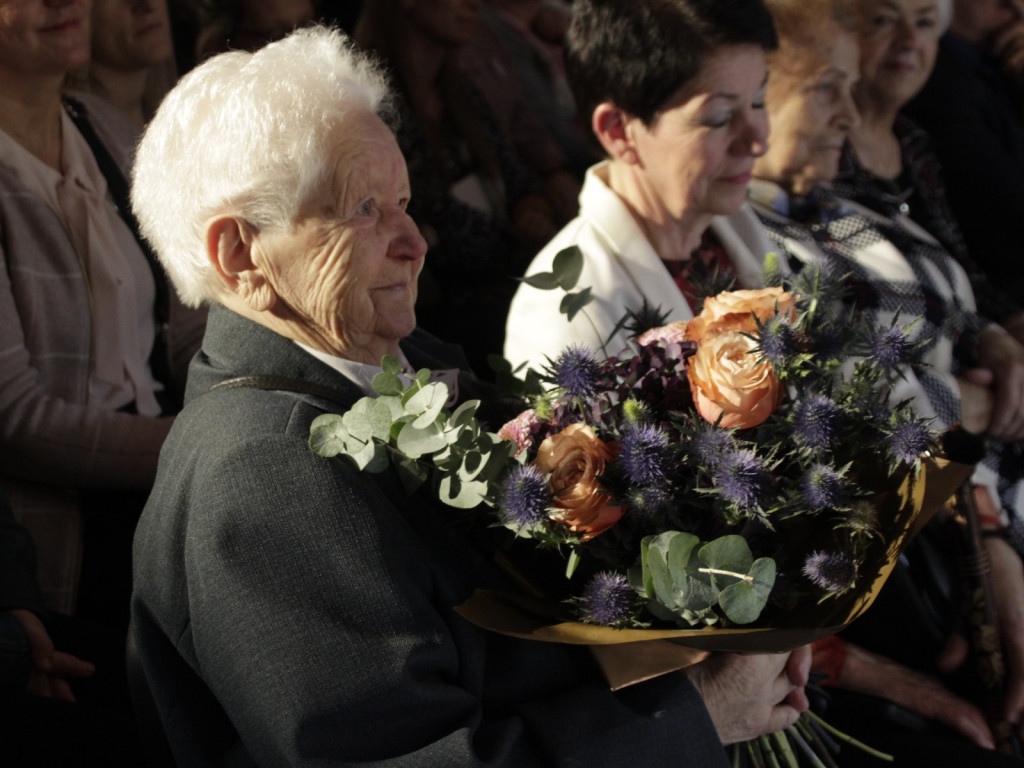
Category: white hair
[247,134]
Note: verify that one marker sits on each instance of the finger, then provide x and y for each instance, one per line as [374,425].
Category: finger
[39,642]
[799,666]
[782,716]
[953,654]
[66,665]
[61,690]
[969,722]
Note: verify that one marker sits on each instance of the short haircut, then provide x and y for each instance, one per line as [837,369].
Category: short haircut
[638,54]
[247,135]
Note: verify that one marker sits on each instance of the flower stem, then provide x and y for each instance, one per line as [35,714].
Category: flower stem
[850,740]
[720,572]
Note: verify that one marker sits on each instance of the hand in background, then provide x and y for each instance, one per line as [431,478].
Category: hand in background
[867,672]
[1000,367]
[51,669]
[1008,589]
[751,695]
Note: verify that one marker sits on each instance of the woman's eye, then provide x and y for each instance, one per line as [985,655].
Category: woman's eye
[365,209]
[717,121]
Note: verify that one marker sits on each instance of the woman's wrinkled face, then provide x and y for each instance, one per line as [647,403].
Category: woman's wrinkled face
[811,113]
[699,153]
[40,37]
[898,43]
[347,271]
[131,35]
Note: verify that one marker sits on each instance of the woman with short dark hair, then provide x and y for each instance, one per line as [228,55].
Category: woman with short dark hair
[674,92]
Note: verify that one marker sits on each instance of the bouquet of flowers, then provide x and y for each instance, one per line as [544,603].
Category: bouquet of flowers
[736,482]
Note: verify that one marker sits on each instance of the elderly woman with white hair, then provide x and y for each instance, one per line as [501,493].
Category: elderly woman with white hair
[888,163]
[288,609]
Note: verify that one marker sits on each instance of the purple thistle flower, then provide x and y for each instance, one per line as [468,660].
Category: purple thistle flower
[741,478]
[889,347]
[643,454]
[524,498]
[575,370]
[777,339]
[908,440]
[834,572]
[648,501]
[607,599]
[710,445]
[822,487]
[816,421]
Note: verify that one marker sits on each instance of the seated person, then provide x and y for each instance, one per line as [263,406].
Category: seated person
[888,164]
[973,116]
[43,723]
[290,610]
[479,206]
[94,345]
[895,267]
[663,220]
[132,63]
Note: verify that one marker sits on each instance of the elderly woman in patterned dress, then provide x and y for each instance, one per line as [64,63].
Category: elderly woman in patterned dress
[972,370]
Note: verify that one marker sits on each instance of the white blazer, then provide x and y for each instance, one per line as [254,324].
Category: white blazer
[622,269]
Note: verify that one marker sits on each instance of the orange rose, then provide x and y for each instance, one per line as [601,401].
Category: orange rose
[728,381]
[735,309]
[575,459]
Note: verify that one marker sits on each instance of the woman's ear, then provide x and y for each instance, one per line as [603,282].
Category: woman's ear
[229,247]
[610,124]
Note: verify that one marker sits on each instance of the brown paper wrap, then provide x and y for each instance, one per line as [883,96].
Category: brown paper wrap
[905,504]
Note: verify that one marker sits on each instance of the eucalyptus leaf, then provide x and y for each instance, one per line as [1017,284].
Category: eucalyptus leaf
[472,463]
[728,553]
[544,281]
[572,303]
[743,601]
[462,495]
[428,403]
[411,473]
[386,383]
[465,415]
[373,457]
[327,435]
[567,267]
[369,418]
[416,441]
[391,364]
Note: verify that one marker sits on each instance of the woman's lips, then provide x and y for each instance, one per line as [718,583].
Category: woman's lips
[739,178]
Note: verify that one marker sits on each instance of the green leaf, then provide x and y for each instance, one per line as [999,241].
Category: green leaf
[385,383]
[372,457]
[369,418]
[544,281]
[462,495]
[427,404]
[742,602]
[327,435]
[416,441]
[464,415]
[567,266]
[411,473]
[391,364]
[728,553]
[572,303]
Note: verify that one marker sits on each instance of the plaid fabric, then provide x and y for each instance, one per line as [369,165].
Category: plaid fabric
[891,266]
[919,193]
